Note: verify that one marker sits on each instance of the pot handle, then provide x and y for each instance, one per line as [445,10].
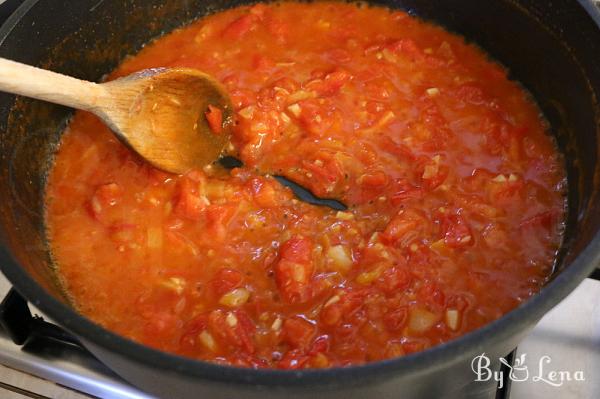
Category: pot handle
[20,325]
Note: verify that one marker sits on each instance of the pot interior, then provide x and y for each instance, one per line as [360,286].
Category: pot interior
[550,49]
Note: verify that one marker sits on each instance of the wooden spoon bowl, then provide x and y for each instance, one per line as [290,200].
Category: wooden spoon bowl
[177,119]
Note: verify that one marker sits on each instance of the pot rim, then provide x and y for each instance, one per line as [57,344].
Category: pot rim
[436,357]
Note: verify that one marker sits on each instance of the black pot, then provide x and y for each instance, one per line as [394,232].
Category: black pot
[553,48]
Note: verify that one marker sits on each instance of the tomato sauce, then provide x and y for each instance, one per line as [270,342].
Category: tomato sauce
[455,194]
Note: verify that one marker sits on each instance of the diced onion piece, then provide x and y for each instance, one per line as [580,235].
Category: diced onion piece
[366,278]
[512,178]
[388,55]
[154,237]
[452,319]
[96,206]
[344,215]
[440,247]
[231,320]
[276,326]
[395,349]
[247,113]
[217,189]
[433,91]
[235,298]
[284,118]
[421,320]
[281,89]
[176,284]
[381,123]
[499,179]
[431,171]
[301,95]
[298,272]
[258,127]
[339,258]
[207,340]
[332,300]
[295,110]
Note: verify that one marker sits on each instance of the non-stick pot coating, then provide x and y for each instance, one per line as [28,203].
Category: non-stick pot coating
[551,47]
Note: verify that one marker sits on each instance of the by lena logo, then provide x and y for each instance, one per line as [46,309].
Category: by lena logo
[519,371]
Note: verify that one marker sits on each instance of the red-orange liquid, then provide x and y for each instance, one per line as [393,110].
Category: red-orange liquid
[455,193]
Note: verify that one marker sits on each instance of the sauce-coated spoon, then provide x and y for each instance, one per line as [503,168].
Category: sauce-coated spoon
[177,119]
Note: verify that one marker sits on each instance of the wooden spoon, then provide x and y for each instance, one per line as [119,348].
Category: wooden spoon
[159,113]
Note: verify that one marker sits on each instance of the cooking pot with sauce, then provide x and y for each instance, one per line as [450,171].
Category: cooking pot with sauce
[551,48]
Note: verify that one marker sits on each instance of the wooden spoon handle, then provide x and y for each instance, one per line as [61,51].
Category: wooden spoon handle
[50,86]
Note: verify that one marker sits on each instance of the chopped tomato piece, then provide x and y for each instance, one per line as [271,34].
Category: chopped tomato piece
[298,332]
[264,193]
[456,231]
[214,117]
[233,328]
[396,319]
[331,84]
[402,224]
[294,270]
